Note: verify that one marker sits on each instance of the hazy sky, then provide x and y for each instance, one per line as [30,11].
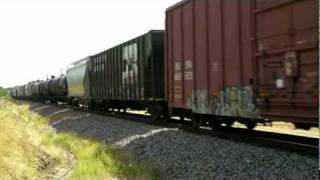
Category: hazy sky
[39,37]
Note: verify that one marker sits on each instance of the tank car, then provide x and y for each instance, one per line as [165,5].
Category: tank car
[28,91]
[57,89]
[20,91]
[35,91]
[44,90]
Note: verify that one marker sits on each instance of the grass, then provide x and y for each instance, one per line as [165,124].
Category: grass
[97,161]
[30,149]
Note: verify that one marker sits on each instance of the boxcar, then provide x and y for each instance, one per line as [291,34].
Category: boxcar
[285,44]
[242,60]
[130,75]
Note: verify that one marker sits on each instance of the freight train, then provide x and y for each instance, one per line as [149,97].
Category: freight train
[217,62]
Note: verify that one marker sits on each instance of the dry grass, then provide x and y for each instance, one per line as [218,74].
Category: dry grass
[22,155]
[30,149]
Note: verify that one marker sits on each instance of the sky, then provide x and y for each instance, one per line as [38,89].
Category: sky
[40,38]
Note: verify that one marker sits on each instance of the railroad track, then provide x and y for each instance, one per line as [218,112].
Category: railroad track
[298,144]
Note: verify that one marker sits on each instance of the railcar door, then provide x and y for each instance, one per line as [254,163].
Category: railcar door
[286,43]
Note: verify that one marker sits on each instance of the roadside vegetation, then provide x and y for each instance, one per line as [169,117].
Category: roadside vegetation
[31,149]
[3,92]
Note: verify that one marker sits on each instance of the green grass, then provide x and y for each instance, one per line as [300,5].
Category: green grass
[30,149]
[2,92]
[96,160]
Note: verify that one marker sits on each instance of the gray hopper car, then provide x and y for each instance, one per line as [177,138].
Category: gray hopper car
[78,82]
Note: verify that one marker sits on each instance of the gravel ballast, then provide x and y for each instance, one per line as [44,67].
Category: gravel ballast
[182,155]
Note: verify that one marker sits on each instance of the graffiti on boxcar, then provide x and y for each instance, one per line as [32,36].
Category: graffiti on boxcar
[130,71]
[232,101]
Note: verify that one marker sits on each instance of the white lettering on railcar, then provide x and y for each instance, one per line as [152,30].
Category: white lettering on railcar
[177,96]
[188,64]
[177,76]
[215,66]
[188,75]
[177,66]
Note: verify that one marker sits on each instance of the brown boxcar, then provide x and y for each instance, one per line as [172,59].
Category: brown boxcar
[244,59]
[286,60]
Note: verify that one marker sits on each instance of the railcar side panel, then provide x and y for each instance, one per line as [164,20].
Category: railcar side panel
[78,79]
[208,63]
[286,51]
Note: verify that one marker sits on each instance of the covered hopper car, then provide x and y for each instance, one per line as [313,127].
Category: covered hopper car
[79,83]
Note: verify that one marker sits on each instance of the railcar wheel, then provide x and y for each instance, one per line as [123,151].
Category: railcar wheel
[155,111]
[155,115]
[215,124]
[251,125]
[229,123]
[165,117]
[90,105]
[195,121]
[75,104]
[302,126]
